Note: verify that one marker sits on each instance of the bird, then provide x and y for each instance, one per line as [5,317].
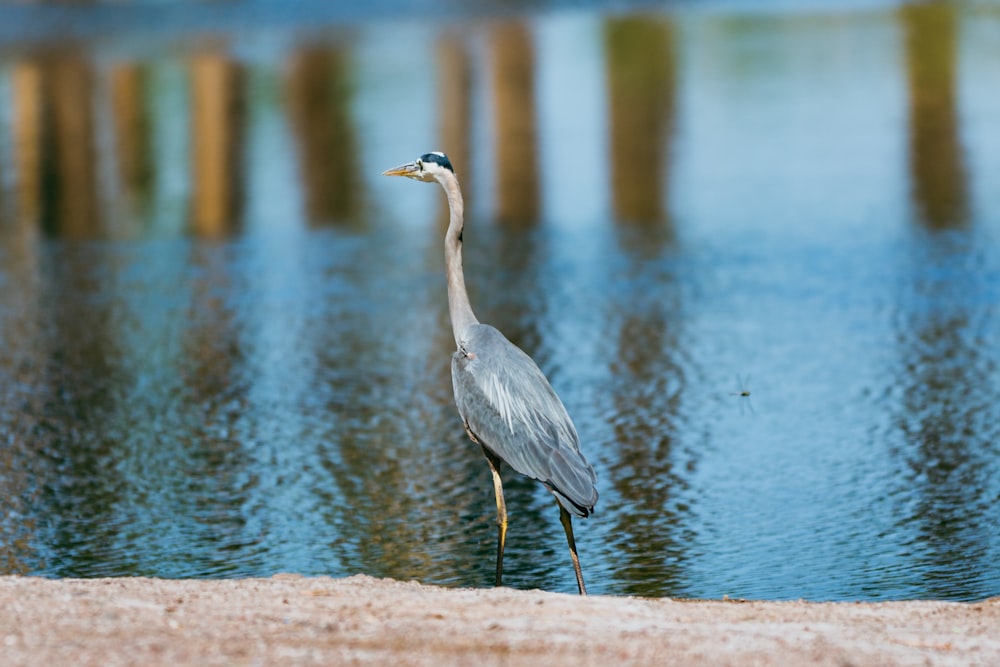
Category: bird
[506,403]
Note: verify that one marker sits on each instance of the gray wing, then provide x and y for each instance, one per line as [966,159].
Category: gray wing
[513,411]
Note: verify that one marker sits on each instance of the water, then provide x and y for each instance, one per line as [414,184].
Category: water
[225,341]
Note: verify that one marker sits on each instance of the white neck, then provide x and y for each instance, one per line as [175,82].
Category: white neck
[459,307]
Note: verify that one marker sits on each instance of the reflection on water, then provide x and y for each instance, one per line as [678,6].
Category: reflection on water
[218,92]
[455,110]
[649,467]
[944,415]
[225,342]
[513,87]
[936,161]
[641,90]
[56,142]
[319,95]
[129,86]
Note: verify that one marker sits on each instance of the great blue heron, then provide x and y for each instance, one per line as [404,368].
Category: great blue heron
[508,406]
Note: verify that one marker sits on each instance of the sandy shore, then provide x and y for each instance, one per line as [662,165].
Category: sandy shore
[292,620]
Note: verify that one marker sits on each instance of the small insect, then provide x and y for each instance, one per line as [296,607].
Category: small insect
[743,393]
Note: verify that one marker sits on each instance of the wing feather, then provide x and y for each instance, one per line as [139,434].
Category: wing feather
[512,409]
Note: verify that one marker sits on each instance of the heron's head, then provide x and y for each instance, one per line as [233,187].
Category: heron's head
[428,168]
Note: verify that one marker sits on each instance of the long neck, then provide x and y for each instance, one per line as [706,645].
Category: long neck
[458,298]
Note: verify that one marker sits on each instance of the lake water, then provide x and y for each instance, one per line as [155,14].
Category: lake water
[224,338]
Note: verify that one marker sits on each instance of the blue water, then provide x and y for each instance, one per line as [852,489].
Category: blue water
[745,210]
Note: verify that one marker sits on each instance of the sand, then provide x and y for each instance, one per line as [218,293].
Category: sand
[293,620]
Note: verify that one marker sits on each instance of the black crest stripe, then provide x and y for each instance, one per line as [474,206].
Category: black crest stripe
[439,159]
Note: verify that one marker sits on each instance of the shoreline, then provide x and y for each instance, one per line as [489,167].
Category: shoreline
[296,620]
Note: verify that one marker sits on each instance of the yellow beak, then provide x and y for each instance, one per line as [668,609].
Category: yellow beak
[401,170]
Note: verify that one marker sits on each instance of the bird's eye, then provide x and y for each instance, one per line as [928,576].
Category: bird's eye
[420,165]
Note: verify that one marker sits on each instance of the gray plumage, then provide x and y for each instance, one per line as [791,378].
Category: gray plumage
[508,406]
[511,408]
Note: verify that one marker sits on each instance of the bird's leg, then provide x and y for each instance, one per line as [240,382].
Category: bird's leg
[501,512]
[567,522]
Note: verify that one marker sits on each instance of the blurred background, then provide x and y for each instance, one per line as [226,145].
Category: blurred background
[754,245]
